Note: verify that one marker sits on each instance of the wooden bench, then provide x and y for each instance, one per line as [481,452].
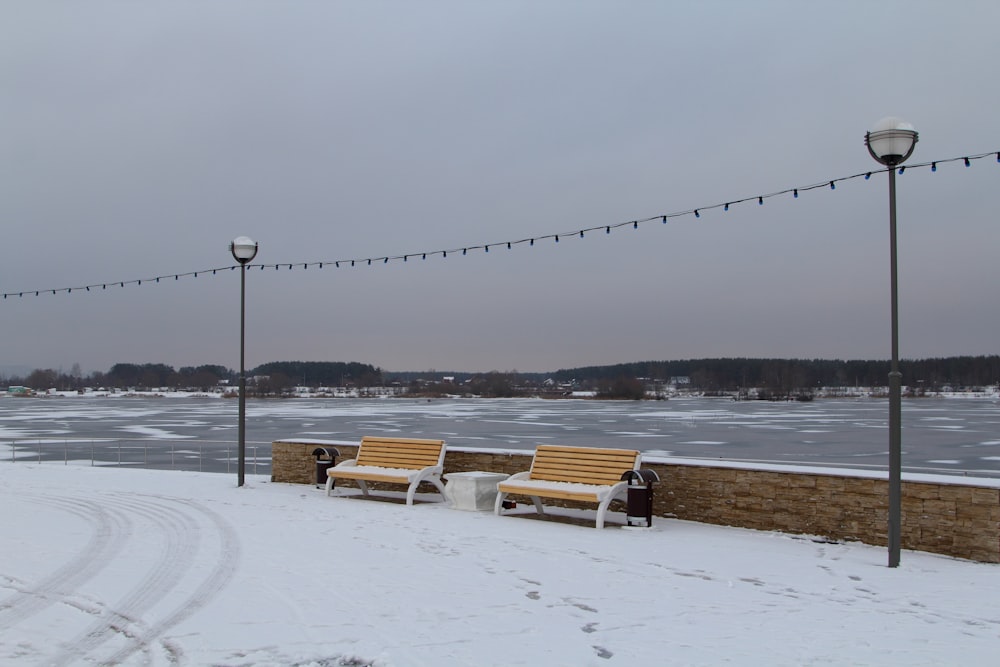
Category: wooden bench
[572,473]
[407,461]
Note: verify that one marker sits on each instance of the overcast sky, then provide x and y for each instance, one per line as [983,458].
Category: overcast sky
[137,139]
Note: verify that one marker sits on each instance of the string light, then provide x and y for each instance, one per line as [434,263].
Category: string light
[832,184]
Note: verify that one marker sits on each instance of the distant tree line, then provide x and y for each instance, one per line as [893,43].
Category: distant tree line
[630,380]
[143,376]
[323,373]
[274,376]
[795,374]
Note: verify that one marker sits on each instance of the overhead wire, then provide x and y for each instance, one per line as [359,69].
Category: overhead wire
[725,205]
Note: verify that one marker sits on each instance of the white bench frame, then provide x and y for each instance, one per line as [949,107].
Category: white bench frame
[407,461]
[586,474]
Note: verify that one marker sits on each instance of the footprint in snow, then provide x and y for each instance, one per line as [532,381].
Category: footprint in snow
[603,652]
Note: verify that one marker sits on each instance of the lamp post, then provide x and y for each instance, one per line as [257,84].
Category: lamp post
[891,143]
[244,250]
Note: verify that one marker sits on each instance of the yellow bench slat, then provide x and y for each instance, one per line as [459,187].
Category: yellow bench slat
[409,453]
[585,451]
[347,473]
[582,465]
[549,493]
[389,460]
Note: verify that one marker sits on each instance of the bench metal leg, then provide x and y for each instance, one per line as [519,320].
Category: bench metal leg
[498,505]
[602,509]
[412,490]
[363,486]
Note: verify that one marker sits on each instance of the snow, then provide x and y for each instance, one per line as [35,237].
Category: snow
[133,567]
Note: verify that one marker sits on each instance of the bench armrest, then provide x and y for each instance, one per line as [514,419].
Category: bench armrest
[519,475]
[347,463]
[428,472]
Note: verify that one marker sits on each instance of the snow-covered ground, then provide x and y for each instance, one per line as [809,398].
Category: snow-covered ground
[103,566]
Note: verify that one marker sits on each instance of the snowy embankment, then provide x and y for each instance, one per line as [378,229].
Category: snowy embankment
[166,568]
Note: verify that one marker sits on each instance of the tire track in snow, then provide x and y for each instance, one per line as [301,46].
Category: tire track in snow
[225,565]
[133,623]
[123,619]
[110,532]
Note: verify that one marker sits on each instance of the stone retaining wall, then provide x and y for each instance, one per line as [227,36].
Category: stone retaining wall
[957,519]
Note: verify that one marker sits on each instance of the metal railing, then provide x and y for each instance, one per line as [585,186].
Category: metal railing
[191,455]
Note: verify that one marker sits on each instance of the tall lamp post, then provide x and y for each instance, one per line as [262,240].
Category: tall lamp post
[891,143]
[244,250]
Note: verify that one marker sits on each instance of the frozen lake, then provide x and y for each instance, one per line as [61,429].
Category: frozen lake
[940,435]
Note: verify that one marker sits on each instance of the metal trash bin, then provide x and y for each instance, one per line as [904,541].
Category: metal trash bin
[322,465]
[639,512]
